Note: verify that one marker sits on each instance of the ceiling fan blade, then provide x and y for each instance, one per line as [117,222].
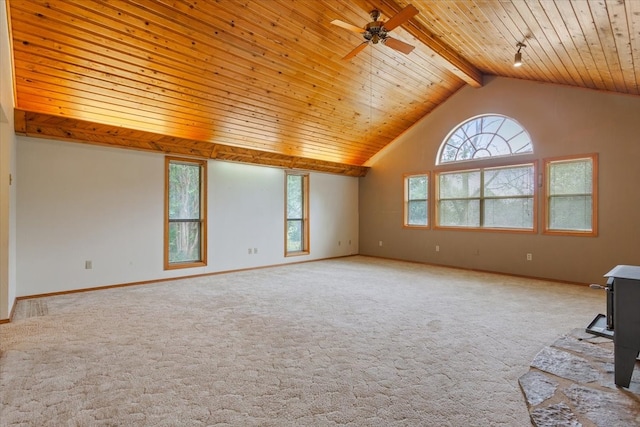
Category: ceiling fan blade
[356,51]
[398,45]
[347,26]
[401,17]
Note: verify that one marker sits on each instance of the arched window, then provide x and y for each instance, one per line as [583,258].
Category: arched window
[488,197]
[490,135]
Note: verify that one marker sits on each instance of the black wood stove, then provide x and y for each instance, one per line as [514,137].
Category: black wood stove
[622,322]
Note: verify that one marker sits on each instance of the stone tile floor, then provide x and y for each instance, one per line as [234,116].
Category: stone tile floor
[571,384]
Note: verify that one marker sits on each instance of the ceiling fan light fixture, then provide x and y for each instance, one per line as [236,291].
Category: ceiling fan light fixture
[377,31]
[517,60]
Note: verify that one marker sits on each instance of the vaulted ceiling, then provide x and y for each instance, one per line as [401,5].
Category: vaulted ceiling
[263,81]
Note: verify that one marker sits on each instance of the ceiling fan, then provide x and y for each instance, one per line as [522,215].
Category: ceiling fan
[376,31]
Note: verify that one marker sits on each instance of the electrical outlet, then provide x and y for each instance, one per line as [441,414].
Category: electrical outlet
[250,251]
[529,257]
[255,250]
[380,243]
[437,248]
[339,242]
[88,265]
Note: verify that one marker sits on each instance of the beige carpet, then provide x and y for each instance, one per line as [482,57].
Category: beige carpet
[355,341]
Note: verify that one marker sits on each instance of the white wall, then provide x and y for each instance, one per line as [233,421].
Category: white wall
[79,202]
[7,168]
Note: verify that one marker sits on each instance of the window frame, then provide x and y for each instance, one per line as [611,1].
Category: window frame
[305,214]
[494,165]
[548,162]
[203,213]
[406,201]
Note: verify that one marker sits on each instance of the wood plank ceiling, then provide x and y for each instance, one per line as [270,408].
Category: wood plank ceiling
[262,81]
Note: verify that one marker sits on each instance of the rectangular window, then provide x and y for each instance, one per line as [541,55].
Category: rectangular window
[459,199]
[185,213]
[297,214]
[571,195]
[416,200]
[492,198]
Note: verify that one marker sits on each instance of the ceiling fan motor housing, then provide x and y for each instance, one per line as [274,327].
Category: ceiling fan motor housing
[375,31]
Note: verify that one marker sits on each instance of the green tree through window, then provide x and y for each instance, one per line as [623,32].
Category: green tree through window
[416,201]
[185,233]
[490,198]
[297,224]
[571,195]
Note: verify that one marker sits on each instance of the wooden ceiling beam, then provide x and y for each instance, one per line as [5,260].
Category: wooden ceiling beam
[42,125]
[446,56]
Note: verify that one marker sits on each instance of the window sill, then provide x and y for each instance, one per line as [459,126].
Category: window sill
[297,253]
[572,233]
[489,230]
[181,265]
